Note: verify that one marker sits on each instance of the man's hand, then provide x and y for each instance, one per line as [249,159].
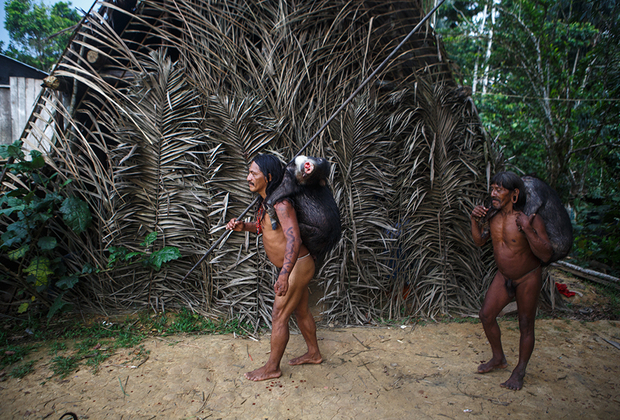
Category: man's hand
[479,212]
[235,225]
[281,286]
[524,221]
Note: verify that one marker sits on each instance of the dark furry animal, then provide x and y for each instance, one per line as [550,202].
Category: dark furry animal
[305,185]
[545,202]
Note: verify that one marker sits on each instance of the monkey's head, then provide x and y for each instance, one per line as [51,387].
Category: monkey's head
[311,171]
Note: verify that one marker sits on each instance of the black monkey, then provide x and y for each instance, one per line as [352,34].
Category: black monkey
[305,184]
[544,201]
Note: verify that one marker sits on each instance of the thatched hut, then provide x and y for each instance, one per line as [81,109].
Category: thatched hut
[156,108]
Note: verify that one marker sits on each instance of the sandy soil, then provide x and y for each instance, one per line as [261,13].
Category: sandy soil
[414,371]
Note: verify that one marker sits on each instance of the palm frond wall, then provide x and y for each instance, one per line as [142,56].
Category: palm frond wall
[165,104]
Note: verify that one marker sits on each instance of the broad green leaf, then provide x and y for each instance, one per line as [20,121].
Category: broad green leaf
[130,255]
[37,160]
[150,238]
[18,253]
[58,305]
[23,308]
[47,243]
[15,233]
[76,214]
[12,150]
[67,282]
[162,256]
[9,210]
[40,268]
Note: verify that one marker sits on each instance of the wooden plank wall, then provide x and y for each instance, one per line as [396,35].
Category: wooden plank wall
[16,103]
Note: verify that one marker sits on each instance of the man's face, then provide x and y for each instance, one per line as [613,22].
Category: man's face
[500,196]
[256,179]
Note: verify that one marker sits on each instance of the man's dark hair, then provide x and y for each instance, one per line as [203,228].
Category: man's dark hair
[270,165]
[511,181]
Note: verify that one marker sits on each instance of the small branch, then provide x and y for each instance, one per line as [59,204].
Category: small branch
[586,273]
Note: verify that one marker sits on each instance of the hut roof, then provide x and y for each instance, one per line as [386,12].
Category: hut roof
[157,107]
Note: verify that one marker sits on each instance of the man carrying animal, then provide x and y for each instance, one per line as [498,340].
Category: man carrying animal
[520,247]
[286,251]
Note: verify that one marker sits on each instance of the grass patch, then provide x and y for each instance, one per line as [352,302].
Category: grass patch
[14,354]
[613,299]
[22,370]
[57,346]
[90,343]
[64,366]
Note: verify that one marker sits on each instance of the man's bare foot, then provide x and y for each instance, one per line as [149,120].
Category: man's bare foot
[492,364]
[263,374]
[306,359]
[515,382]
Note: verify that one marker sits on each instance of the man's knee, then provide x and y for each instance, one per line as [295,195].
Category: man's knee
[301,311]
[526,322]
[485,315]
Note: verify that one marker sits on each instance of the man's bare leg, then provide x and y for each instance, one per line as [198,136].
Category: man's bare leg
[283,307]
[528,292]
[306,323]
[496,299]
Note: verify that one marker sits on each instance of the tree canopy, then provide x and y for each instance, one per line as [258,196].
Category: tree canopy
[544,74]
[36,31]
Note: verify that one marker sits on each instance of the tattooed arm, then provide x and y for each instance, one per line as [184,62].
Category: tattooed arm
[290,228]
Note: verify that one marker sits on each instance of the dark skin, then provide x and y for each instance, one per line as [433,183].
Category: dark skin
[285,250]
[520,244]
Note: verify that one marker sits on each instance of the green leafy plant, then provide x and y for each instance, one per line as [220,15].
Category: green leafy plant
[36,215]
[148,258]
[14,354]
[597,238]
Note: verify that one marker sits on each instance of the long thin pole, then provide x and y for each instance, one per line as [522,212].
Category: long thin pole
[325,124]
[365,82]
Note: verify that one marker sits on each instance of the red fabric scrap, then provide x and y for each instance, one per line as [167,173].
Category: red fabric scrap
[562,288]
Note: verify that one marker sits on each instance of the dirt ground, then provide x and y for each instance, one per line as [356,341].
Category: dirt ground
[421,371]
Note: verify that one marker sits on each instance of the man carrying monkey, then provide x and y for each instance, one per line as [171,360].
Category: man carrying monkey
[520,246]
[286,251]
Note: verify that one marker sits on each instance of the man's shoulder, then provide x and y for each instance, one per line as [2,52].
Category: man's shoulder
[285,202]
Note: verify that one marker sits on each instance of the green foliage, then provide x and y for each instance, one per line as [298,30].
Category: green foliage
[187,322]
[613,295]
[14,354]
[597,233]
[57,346]
[76,344]
[22,370]
[546,81]
[64,366]
[36,31]
[148,258]
[31,242]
